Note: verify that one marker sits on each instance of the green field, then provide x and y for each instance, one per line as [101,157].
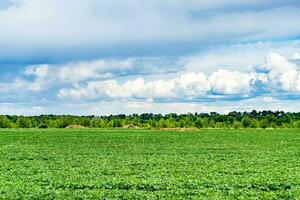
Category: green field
[148,164]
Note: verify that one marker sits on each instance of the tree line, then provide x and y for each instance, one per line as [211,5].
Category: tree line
[254,119]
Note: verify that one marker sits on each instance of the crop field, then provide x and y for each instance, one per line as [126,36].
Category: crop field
[149,164]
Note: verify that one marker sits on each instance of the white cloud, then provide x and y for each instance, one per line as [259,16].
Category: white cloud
[281,73]
[39,83]
[239,57]
[187,85]
[136,106]
[39,78]
[20,109]
[24,85]
[231,35]
[276,62]
[276,78]
[296,56]
[40,71]
[82,71]
[105,69]
[276,74]
[230,83]
[192,85]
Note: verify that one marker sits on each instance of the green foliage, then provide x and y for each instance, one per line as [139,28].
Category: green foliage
[4,122]
[43,125]
[246,121]
[237,125]
[296,124]
[24,122]
[254,119]
[264,123]
[199,123]
[148,164]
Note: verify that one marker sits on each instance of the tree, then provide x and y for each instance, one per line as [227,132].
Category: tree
[4,122]
[246,121]
[170,123]
[253,119]
[65,121]
[199,123]
[84,121]
[237,124]
[264,123]
[162,123]
[24,122]
[181,123]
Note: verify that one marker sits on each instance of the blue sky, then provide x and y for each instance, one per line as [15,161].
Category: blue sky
[129,56]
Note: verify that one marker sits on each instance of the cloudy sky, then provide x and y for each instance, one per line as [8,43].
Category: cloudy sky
[128,56]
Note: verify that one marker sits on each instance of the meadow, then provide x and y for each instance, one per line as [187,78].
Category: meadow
[149,164]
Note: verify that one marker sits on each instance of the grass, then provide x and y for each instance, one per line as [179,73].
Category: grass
[145,164]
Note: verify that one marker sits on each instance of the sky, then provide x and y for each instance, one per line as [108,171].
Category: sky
[95,57]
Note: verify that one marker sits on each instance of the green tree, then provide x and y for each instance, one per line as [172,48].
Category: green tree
[246,121]
[4,122]
[162,123]
[254,123]
[24,122]
[236,124]
[264,123]
[199,123]
[64,121]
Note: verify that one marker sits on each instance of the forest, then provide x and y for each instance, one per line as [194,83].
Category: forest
[254,119]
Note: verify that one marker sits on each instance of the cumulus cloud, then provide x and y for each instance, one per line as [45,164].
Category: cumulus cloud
[230,83]
[277,74]
[40,78]
[192,85]
[240,57]
[185,86]
[39,81]
[111,80]
[156,51]
[281,74]
[188,86]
